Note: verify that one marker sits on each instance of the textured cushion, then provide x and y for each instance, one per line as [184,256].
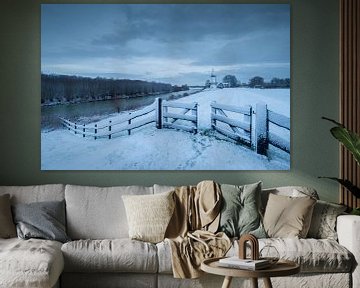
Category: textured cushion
[117,255]
[32,263]
[323,223]
[240,213]
[7,227]
[44,220]
[36,193]
[98,213]
[149,215]
[287,216]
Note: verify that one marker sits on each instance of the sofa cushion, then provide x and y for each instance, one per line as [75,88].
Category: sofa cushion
[30,263]
[240,210]
[291,191]
[98,213]
[149,215]
[43,220]
[116,255]
[323,222]
[7,226]
[36,193]
[287,216]
[313,255]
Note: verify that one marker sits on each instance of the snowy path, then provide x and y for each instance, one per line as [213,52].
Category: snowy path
[150,149]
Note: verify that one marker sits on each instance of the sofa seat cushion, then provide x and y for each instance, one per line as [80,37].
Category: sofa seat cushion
[115,255]
[30,263]
[313,255]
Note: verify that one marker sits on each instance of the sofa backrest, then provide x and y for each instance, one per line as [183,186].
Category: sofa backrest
[98,212]
[36,193]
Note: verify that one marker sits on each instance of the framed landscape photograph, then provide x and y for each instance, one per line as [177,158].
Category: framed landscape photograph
[165,87]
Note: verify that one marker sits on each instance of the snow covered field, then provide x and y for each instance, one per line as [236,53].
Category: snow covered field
[149,148]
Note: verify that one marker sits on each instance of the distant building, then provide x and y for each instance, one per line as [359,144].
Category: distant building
[213,82]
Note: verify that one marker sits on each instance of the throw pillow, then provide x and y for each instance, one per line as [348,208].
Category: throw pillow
[288,217]
[240,213]
[44,220]
[149,215]
[7,226]
[323,222]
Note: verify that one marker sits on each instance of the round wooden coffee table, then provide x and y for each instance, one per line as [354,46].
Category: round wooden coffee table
[281,268]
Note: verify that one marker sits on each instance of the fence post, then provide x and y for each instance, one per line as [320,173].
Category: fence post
[95,131]
[248,118]
[129,122]
[84,130]
[213,112]
[158,112]
[109,129]
[261,129]
[75,127]
[195,113]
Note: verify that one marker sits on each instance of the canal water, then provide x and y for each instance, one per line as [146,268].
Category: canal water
[93,111]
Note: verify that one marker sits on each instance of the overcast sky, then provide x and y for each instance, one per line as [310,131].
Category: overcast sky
[174,43]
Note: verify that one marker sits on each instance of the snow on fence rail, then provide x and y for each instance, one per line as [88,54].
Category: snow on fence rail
[235,129]
[152,113]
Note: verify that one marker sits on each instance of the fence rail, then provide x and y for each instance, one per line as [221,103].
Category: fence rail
[155,113]
[235,129]
[188,122]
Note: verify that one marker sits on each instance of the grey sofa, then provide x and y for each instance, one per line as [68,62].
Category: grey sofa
[101,254]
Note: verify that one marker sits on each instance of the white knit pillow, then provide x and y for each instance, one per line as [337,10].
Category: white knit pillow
[149,215]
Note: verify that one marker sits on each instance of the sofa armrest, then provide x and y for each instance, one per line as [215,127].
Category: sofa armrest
[348,230]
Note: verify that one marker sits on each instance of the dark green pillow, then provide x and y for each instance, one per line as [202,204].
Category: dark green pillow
[240,213]
[43,220]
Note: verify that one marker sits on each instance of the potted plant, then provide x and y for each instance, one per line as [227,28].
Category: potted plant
[351,141]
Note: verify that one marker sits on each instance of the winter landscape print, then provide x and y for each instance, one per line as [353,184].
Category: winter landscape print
[165,87]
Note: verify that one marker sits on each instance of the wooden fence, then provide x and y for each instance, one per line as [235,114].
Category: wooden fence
[155,113]
[264,136]
[236,129]
[240,126]
[234,122]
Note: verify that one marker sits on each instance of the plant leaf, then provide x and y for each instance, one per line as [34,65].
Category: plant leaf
[347,184]
[349,139]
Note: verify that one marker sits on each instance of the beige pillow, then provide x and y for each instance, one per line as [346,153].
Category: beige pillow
[7,226]
[288,217]
[149,215]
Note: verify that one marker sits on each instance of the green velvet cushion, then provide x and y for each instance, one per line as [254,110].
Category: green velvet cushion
[240,213]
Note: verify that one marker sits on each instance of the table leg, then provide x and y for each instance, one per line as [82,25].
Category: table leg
[227,282]
[267,283]
[254,282]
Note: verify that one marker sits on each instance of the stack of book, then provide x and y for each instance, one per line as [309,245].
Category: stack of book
[248,264]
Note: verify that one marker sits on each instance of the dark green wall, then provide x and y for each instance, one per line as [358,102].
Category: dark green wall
[314,76]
